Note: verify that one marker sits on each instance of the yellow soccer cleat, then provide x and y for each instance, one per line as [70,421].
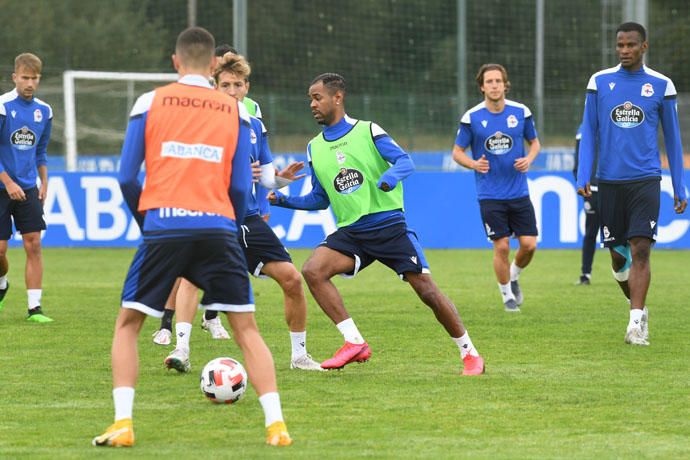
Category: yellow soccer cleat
[277,434]
[119,434]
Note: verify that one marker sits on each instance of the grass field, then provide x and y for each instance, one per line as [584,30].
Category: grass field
[560,382]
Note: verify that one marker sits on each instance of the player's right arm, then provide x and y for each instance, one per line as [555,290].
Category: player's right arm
[133,151]
[13,190]
[588,136]
[312,201]
[241,178]
[463,139]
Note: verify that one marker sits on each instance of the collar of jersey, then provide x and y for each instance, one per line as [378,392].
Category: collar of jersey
[195,80]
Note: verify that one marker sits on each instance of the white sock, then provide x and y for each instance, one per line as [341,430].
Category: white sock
[182,332]
[350,331]
[3,281]
[506,292]
[270,402]
[34,296]
[123,397]
[299,344]
[635,318]
[514,271]
[465,345]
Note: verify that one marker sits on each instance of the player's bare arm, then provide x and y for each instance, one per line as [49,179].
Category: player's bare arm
[13,190]
[290,172]
[585,192]
[460,157]
[523,164]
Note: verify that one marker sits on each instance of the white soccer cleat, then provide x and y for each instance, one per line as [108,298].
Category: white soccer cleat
[644,324]
[306,363]
[215,327]
[162,337]
[178,360]
[635,336]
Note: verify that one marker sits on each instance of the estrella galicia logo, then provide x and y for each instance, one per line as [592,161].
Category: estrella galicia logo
[627,115]
[348,180]
[499,143]
[23,138]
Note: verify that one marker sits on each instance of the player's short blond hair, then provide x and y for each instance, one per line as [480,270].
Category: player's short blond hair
[28,61]
[235,64]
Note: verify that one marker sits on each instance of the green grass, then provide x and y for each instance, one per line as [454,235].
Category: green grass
[560,382]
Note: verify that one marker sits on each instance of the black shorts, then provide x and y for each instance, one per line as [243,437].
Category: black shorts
[215,264]
[591,204]
[505,218]
[629,210]
[27,214]
[395,246]
[260,245]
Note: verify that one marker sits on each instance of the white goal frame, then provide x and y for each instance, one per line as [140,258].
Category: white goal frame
[69,78]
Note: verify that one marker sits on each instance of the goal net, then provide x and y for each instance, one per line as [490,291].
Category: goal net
[97,106]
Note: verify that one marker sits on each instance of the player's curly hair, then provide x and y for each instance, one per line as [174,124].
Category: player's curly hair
[487,67]
[233,63]
[332,81]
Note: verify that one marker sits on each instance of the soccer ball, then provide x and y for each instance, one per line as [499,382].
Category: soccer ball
[223,380]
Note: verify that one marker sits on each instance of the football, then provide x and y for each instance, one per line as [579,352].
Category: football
[223,380]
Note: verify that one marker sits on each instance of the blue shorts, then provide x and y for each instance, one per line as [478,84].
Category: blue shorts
[215,264]
[27,214]
[260,245]
[629,210]
[395,246]
[505,218]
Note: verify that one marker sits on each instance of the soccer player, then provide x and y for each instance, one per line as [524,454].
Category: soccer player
[25,125]
[251,105]
[589,241]
[210,321]
[196,144]
[357,169]
[496,130]
[623,108]
[265,254]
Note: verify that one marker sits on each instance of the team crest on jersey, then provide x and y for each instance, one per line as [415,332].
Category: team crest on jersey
[252,136]
[38,115]
[647,90]
[348,181]
[340,156]
[23,138]
[499,143]
[512,121]
[627,115]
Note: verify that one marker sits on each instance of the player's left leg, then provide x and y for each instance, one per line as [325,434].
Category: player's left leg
[261,372]
[4,268]
[523,223]
[290,281]
[446,314]
[186,303]
[501,262]
[125,365]
[33,276]
[523,256]
[638,282]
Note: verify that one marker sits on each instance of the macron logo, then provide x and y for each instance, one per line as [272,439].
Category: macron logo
[202,152]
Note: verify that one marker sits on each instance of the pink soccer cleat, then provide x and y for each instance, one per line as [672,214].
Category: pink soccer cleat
[474,365]
[348,353]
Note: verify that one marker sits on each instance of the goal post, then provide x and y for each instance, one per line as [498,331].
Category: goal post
[69,78]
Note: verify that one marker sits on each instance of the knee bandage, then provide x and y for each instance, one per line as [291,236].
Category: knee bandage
[623,273]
